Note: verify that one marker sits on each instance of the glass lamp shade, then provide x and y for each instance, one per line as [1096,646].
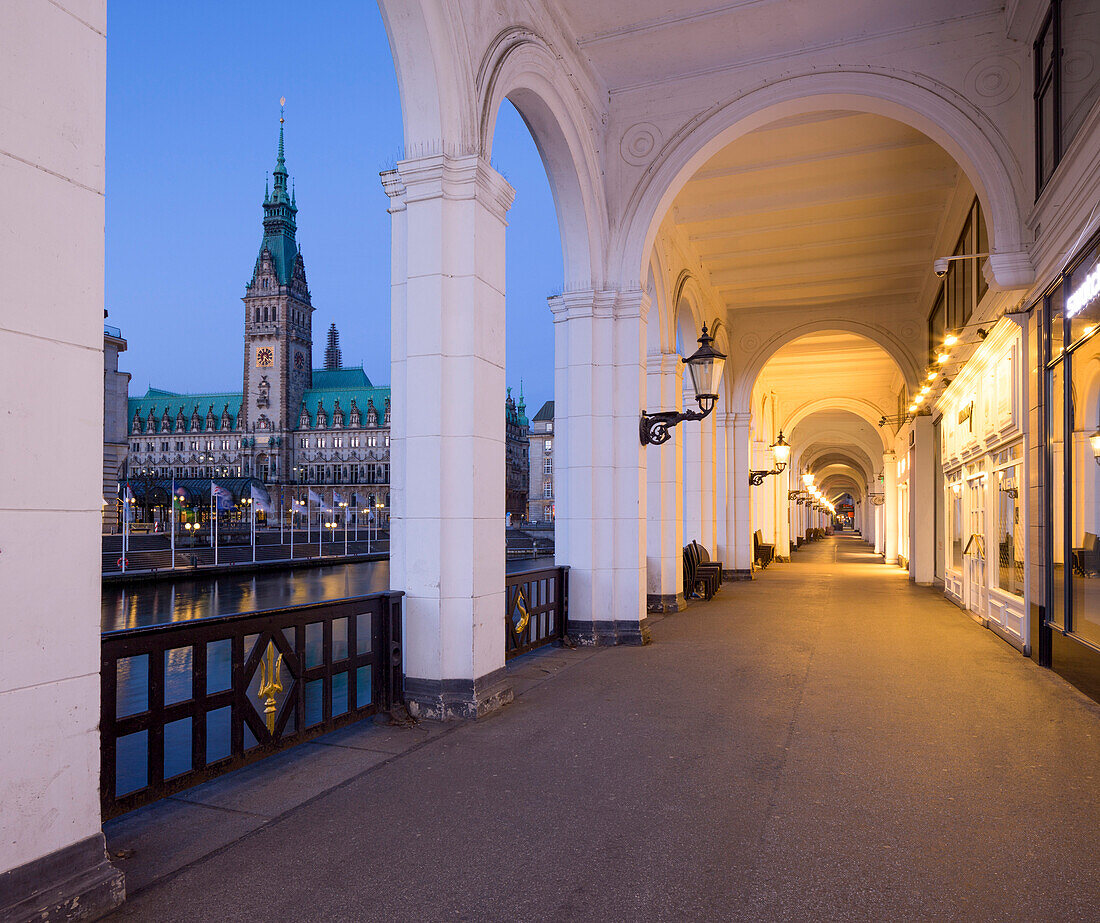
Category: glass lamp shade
[705,366]
[781,451]
[1094,441]
[808,480]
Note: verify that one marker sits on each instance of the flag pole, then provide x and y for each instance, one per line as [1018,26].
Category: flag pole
[172,513]
[320,529]
[125,523]
[346,509]
[252,509]
[293,500]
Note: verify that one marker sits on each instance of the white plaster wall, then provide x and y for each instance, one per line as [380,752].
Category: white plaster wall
[52,70]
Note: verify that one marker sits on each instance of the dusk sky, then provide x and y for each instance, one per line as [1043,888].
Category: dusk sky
[192,126]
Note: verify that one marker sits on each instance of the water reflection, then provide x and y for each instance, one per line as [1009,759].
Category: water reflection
[182,600]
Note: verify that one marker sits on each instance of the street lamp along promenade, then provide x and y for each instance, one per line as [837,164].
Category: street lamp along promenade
[781,452]
[705,366]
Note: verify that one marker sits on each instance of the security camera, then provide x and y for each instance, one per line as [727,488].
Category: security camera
[940,266]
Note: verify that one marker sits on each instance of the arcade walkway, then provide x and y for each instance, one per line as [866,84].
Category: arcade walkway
[824,743]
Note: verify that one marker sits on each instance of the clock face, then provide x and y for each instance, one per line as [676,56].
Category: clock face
[265,357]
[299,361]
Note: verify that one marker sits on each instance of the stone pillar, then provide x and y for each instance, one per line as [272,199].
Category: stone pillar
[53,862]
[721,486]
[665,501]
[922,504]
[737,555]
[890,523]
[880,513]
[599,386]
[782,515]
[692,440]
[447,416]
[708,514]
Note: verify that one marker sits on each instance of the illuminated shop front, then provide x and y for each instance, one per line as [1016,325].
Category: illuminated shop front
[984,451]
[1069,637]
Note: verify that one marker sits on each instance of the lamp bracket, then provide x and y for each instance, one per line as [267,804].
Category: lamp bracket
[756,478]
[653,428]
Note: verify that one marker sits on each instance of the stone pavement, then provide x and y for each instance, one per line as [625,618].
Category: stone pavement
[826,742]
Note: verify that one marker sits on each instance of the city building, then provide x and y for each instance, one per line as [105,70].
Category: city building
[291,425]
[540,505]
[116,385]
[515,458]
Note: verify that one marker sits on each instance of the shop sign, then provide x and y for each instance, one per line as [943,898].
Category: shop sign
[1085,293]
[965,415]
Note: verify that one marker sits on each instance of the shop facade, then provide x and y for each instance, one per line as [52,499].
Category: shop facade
[984,451]
[1069,630]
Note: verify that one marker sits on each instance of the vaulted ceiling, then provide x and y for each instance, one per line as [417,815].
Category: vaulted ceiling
[835,210]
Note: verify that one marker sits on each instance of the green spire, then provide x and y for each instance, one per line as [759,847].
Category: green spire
[280,212]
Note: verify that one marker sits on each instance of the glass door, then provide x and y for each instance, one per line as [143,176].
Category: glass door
[974,556]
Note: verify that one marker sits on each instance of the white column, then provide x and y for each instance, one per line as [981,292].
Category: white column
[692,440]
[880,515]
[598,392]
[52,186]
[890,487]
[922,504]
[782,515]
[665,502]
[448,388]
[737,555]
[708,513]
[721,488]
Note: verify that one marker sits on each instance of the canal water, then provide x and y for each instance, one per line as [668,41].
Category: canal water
[148,603]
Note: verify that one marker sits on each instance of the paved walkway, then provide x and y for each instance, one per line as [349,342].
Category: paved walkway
[824,743]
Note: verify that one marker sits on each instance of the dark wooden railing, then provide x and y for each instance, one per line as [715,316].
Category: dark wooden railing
[185,702]
[536,607]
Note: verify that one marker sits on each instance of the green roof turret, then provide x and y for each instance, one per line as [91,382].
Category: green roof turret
[280,214]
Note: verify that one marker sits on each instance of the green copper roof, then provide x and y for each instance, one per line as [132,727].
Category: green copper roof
[343,377]
[157,399]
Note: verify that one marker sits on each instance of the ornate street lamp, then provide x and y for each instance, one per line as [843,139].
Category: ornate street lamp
[781,452]
[1094,441]
[705,366]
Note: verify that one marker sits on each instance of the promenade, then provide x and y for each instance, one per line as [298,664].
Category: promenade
[826,742]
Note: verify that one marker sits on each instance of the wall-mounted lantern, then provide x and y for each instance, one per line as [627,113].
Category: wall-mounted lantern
[705,366]
[1094,441]
[781,452]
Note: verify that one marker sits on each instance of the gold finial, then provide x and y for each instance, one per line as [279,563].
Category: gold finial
[282,102]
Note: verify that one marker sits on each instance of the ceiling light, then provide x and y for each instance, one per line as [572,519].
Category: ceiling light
[942,358]
[950,340]
[918,399]
[932,373]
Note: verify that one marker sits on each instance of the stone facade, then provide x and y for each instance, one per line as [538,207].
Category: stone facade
[116,384]
[516,460]
[540,506]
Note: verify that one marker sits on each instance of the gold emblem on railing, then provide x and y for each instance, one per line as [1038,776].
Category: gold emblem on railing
[270,683]
[521,608]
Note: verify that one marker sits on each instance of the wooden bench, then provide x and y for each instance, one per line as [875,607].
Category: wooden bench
[763,554]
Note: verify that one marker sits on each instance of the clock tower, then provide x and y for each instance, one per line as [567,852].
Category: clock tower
[278,332]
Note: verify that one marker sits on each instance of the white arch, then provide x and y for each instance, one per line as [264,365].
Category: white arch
[433,77]
[866,410]
[890,344]
[520,66]
[945,116]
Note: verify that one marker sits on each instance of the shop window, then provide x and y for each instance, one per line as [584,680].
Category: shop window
[1084,476]
[1009,532]
[955,524]
[1056,425]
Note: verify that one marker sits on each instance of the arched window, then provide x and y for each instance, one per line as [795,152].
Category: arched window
[265,312]
[257,316]
[274,312]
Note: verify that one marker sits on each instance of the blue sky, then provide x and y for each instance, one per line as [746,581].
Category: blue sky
[192,125]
